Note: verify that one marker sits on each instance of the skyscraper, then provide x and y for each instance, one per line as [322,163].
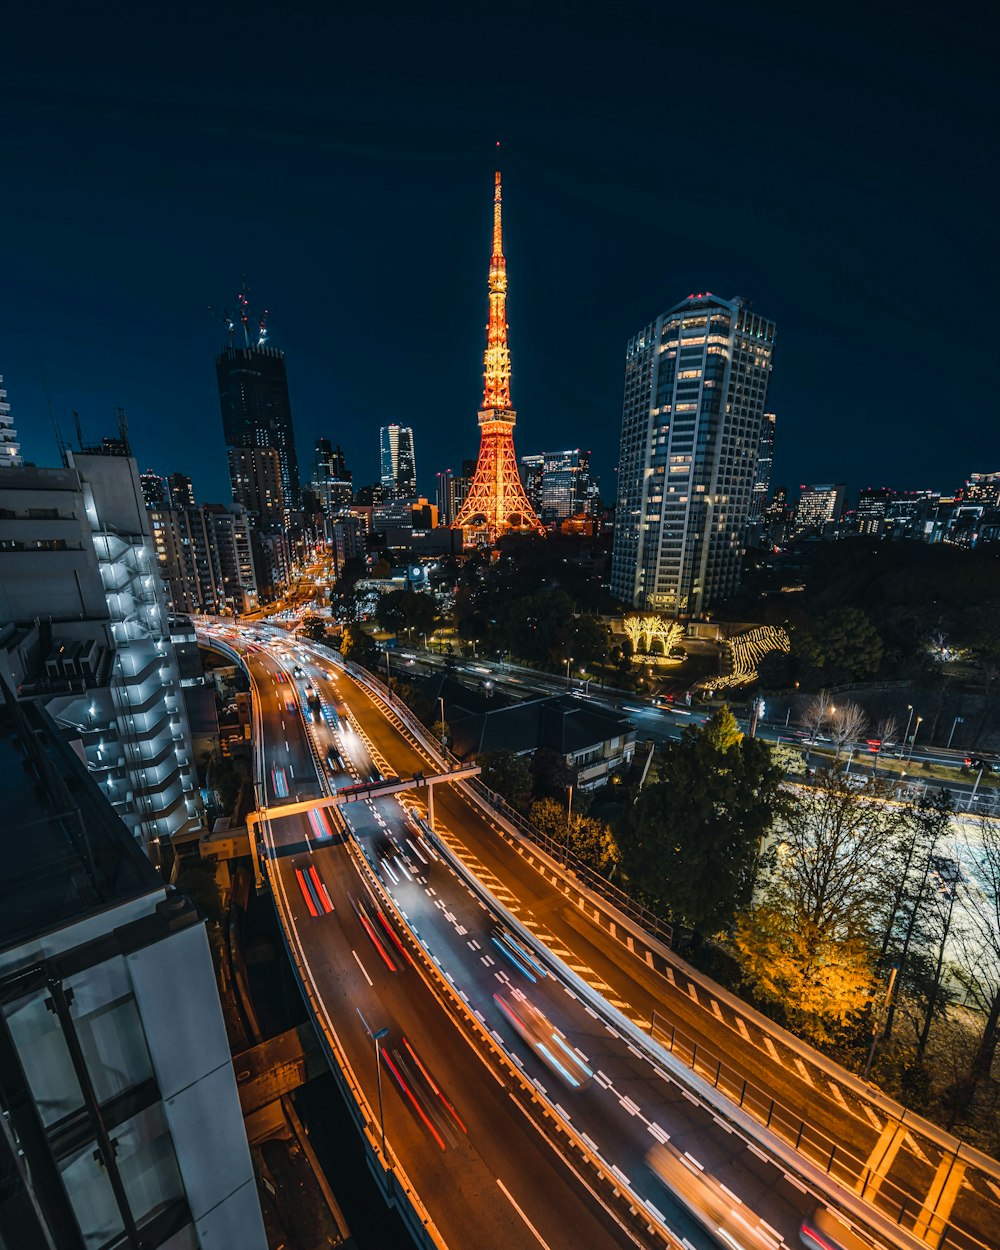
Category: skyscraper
[10,448]
[253,396]
[496,503]
[819,504]
[762,474]
[332,479]
[180,491]
[695,392]
[154,489]
[399,471]
[558,484]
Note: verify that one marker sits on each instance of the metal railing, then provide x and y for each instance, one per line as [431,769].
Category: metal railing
[849,1170]
[612,894]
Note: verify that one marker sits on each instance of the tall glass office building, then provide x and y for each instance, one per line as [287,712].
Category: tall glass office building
[695,394]
[398,465]
[256,412]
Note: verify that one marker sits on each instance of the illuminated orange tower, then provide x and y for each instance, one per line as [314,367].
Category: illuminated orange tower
[496,503]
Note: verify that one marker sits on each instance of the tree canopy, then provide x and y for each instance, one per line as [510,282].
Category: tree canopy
[508,774]
[839,645]
[691,839]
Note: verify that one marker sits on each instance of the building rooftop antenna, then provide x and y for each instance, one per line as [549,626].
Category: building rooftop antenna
[262,340]
[244,302]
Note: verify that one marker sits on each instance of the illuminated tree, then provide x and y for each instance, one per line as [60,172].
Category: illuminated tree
[807,940]
[847,724]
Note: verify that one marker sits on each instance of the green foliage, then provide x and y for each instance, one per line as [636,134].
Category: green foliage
[550,774]
[508,774]
[314,628]
[589,838]
[225,780]
[402,611]
[690,840]
[840,645]
[358,646]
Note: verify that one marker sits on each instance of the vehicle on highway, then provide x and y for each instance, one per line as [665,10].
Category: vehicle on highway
[824,1231]
[334,760]
[720,1213]
[423,1093]
[297,670]
[545,1040]
[281,677]
[290,706]
[376,924]
[516,952]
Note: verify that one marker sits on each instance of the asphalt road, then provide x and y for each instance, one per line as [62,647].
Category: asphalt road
[908,1165]
[471,1186]
[630,1102]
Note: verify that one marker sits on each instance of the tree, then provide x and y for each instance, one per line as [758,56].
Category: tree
[841,645]
[508,775]
[550,774]
[591,840]
[408,610]
[847,724]
[690,841]
[314,628]
[358,646]
[914,838]
[980,940]
[807,940]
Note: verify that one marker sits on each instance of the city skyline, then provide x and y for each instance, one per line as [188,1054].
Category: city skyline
[847,248]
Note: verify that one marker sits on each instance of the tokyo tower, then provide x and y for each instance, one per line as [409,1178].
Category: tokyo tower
[496,503]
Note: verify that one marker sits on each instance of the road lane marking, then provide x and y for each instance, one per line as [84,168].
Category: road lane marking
[880,1160]
[875,1121]
[510,1198]
[936,1211]
[836,1092]
[362,967]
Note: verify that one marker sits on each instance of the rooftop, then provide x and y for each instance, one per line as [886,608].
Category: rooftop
[65,852]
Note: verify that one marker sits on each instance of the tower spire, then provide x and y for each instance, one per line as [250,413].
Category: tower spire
[496,362]
[496,503]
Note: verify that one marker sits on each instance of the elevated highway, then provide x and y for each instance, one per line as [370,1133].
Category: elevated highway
[392,928]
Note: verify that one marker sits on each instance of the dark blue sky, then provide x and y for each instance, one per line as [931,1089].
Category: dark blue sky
[834,164]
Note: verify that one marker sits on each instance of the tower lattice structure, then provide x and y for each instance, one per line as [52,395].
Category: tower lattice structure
[496,503]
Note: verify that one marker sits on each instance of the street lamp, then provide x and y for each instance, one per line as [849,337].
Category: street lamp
[387,666]
[569,661]
[441,705]
[906,731]
[959,720]
[569,818]
[916,730]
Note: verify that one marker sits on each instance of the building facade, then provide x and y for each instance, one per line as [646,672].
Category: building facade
[122,1120]
[332,479]
[255,474]
[256,411]
[696,384]
[398,464]
[819,505]
[85,631]
[10,448]
[205,558]
[765,464]
[558,484]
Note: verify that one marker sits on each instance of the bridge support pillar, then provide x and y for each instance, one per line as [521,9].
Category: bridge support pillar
[430,804]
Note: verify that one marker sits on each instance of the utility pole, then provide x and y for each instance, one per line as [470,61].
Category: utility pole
[878,1025]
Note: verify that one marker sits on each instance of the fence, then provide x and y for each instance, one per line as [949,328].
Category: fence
[836,1161]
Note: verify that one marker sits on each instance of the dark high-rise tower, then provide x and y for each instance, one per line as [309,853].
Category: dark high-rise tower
[253,396]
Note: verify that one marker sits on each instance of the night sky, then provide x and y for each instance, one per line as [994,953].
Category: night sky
[836,165]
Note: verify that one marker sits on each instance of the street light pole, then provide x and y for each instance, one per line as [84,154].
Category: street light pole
[972,796]
[569,661]
[916,730]
[387,666]
[569,818]
[959,720]
[906,731]
[441,705]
